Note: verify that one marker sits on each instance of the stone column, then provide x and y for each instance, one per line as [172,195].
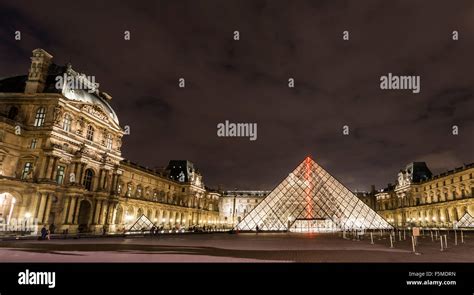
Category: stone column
[50,169]
[41,208]
[112,185]
[113,214]
[103,209]
[76,211]
[48,208]
[44,169]
[81,172]
[71,210]
[110,212]
[77,171]
[54,168]
[104,183]
[65,210]
[99,179]
[117,182]
[97,208]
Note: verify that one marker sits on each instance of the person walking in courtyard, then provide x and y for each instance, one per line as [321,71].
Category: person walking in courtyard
[44,232]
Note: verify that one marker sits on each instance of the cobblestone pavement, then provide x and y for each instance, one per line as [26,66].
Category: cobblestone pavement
[243,247]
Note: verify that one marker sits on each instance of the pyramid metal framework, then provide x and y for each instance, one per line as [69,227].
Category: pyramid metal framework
[466,221]
[311,197]
[142,224]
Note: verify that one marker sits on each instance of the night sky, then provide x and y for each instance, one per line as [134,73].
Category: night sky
[336,82]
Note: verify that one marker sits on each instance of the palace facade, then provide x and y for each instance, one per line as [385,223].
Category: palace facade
[235,205]
[61,165]
[421,199]
[61,162]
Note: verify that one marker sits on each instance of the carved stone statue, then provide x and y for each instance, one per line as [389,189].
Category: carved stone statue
[58,113]
[119,143]
[104,158]
[81,124]
[82,150]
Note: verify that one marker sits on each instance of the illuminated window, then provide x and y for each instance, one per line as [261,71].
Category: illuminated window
[40,116]
[90,133]
[27,169]
[60,174]
[89,175]
[33,143]
[67,123]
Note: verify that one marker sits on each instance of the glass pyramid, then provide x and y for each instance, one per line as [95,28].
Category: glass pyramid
[310,199]
[466,221]
[142,224]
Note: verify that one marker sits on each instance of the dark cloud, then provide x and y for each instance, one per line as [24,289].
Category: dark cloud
[153,104]
[337,82]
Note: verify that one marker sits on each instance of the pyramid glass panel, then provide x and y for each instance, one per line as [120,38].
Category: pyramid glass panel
[466,221]
[310,199]
[142,224]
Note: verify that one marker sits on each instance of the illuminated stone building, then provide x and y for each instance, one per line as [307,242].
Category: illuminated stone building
[235,205]
[367,197]
[61,163]
[421,199]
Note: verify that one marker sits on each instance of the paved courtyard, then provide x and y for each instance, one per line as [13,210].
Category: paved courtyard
[242,247]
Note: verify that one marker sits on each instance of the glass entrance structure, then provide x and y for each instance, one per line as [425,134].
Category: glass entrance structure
[311,200]
[466,221]
[141,225]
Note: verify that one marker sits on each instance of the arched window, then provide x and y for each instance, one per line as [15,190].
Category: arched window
[12,113]
[67,123]
[89,175]
[40,116]
[90,133]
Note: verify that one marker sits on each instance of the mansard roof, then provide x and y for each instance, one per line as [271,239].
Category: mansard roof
[17,84]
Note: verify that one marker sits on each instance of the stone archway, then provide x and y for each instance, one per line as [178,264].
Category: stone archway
[139,212]
[8,203]
[446,215]
[470,209]
[454,214]
[84,216]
